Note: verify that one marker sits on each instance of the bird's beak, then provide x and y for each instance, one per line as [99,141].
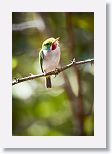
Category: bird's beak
[56,39]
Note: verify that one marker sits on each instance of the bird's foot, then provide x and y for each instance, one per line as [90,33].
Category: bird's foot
[56,72]
[44,73]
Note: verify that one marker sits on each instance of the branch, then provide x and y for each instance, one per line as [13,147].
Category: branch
[57,71]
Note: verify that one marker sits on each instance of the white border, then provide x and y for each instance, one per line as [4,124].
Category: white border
[96,141]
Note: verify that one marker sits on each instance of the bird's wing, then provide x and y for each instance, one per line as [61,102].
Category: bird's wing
[41,57]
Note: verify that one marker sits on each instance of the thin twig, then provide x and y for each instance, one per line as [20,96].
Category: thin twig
[55,72]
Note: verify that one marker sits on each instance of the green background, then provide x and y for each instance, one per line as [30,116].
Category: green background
[67,108]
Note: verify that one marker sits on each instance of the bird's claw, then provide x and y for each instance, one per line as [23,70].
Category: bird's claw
[44,73]
[56,72]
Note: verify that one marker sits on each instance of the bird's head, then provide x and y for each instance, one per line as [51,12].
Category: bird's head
[50,44]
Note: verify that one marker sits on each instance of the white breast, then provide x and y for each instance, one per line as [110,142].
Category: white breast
[51,60]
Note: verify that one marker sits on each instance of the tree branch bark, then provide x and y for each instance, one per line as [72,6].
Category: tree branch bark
[55,72]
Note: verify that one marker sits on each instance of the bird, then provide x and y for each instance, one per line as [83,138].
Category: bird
[49,57]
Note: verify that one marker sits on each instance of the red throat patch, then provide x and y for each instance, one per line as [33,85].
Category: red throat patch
[54,45]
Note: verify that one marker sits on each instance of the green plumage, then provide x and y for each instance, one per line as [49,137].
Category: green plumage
[41,57]
[47,43]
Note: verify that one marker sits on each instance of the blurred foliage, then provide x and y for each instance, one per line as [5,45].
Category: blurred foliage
[35,109]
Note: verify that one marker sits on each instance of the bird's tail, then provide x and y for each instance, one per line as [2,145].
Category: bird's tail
[48,82]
